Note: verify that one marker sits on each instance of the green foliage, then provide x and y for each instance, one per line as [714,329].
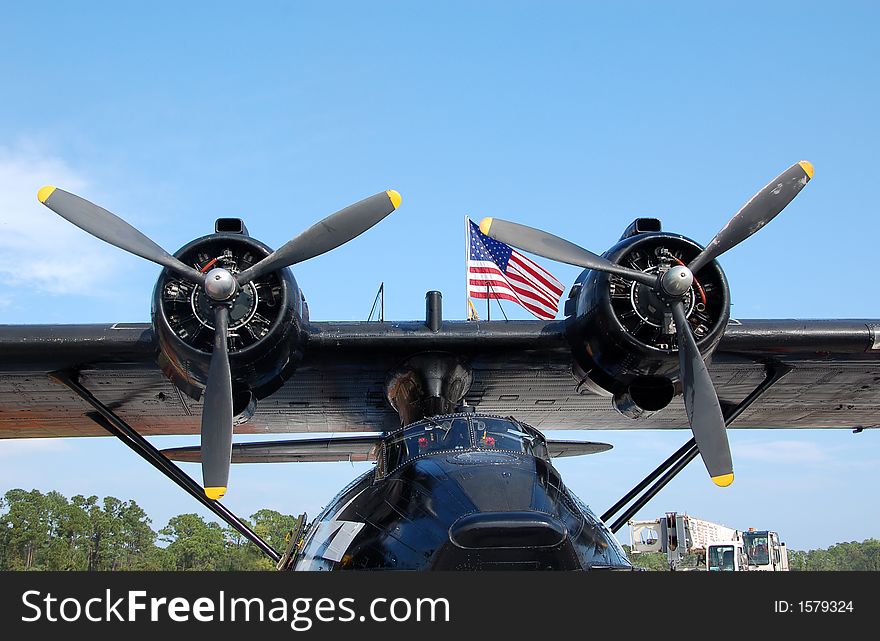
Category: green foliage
[654,561]
[843,556]
[193,543]
[273,526]
[49,532]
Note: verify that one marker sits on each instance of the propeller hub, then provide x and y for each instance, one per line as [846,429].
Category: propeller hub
[676,281]
[220,284]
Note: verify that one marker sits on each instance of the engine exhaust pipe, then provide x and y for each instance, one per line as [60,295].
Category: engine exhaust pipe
[644,396]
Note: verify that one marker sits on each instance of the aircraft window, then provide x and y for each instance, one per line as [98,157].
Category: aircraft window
[395,452]
[721,558]
[502,434]
[425,437]
[757,548]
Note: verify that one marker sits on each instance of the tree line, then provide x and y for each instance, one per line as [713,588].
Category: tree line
[842,556]
[50,532]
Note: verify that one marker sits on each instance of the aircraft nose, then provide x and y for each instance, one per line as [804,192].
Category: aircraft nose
[485,530]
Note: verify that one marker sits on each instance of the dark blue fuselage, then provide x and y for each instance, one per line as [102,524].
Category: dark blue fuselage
[455,494]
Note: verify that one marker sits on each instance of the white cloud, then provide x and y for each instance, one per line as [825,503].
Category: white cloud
[781,452]
[39,249]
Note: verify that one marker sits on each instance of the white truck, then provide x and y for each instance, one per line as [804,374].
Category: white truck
[718,547]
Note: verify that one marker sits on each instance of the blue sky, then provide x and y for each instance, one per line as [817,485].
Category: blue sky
[576,117]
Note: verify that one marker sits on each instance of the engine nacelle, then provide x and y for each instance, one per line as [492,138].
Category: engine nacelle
[623,337]
[266,336]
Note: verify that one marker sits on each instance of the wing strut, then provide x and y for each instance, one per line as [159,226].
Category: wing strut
[685,454]
[110,421]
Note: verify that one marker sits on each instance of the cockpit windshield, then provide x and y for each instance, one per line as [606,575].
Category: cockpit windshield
[426,437]
[503,434]
[449,434]
[756,548]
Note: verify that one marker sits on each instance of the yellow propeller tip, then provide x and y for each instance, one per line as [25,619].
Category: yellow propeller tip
[44,193]
[807,166]
[485,224]
[395,197]
[214,493]
[723,480]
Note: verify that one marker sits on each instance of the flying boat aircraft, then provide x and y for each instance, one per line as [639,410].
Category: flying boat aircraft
[453,411]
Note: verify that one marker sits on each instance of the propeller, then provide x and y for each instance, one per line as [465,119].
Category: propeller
[760,210]
[217,412]
[110,228]
[555,248]
[701,403]
[700,399]
[221,287]
[330,233]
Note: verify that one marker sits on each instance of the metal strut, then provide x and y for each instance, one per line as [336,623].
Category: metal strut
[670,468]
[111,422]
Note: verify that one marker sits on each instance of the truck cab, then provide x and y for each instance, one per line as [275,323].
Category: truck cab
[726,556]
[765,552]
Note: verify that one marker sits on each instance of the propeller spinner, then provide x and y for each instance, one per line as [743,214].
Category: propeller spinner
[671,286]
[221,287]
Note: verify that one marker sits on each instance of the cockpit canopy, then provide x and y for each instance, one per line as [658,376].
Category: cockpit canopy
[456,434]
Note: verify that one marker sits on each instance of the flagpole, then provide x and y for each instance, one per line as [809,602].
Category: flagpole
[467,271]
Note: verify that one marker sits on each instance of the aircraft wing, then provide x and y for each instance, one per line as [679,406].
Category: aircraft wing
[520,368]
[343,448]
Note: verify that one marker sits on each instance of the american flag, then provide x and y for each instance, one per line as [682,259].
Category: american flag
[496,270]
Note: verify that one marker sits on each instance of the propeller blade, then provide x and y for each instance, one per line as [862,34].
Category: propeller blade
[110,228]
[217,412]
[555,248]
[701,403]
[335,230]
[760,210]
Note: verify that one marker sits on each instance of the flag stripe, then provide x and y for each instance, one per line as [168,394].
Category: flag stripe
[515,274]
[531,295]
[483,267]
[493,285]
[521,282]
[529,287]
[497,282]
[543,277]
[539,271]
[537,311]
